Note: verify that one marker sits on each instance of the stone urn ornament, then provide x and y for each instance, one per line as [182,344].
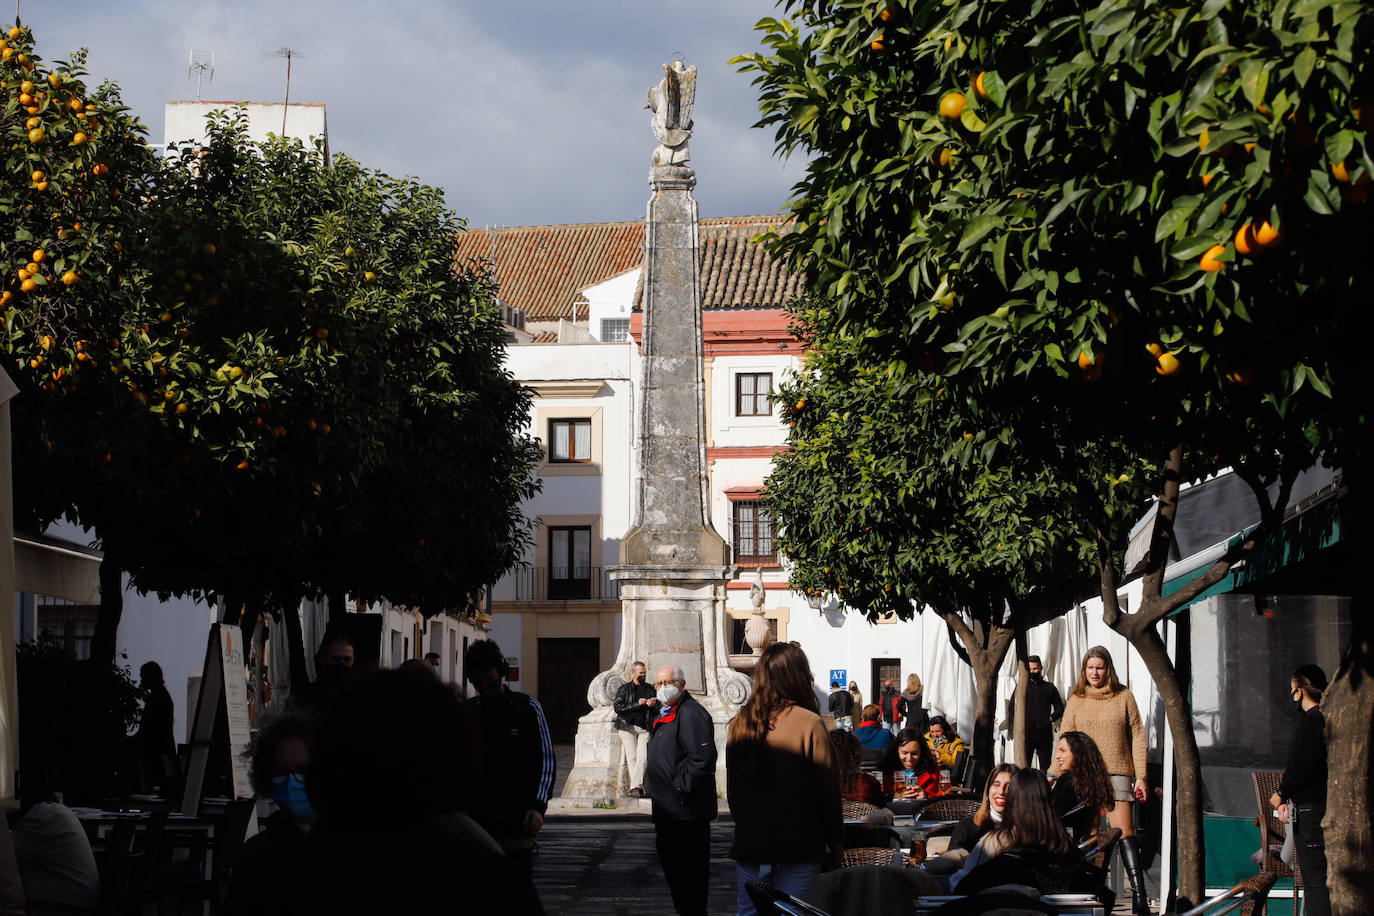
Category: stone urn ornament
[756,632]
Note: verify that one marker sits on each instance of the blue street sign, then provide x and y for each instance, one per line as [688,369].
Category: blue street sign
[839,674]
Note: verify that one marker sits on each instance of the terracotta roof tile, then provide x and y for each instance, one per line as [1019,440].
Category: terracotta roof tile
[541,269]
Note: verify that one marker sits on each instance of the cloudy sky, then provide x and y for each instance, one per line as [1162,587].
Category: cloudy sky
[524,111]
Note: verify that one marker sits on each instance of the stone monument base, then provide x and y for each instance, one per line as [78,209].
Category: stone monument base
[675,609]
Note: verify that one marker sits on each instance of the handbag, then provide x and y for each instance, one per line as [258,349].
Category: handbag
[1288,854]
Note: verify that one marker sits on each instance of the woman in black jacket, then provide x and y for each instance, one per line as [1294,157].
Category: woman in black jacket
[1301,798]
[1083,790]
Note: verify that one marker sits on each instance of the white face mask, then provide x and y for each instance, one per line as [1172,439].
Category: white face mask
[669,694]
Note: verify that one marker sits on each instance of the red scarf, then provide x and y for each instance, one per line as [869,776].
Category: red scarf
[669,714]
[869,722]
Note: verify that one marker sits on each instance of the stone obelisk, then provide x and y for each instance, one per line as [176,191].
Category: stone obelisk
[673,564]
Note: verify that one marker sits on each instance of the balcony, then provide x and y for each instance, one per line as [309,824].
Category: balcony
[563,583]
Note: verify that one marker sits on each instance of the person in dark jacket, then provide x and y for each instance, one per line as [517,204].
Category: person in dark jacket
[154,738]
[841,705]
[518,776]
[682,785]
[1044,708]
[635,706]
[872,735]
[893,707]
[1083,791]
[1301,798]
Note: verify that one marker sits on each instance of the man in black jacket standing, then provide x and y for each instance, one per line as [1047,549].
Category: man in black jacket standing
[517,778]
[635,706]
[682,784]
[841,706]
[1044,707]
[1301,798]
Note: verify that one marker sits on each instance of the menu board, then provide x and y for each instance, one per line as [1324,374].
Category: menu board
[222,687]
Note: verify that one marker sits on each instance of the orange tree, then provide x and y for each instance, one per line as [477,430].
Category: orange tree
[1134,222]
[286,388]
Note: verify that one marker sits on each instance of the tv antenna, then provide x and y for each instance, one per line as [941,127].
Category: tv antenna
[288,53]
[201,69]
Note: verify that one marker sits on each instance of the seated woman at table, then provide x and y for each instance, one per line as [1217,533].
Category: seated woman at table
[944,741]
[1083,791]
[1031,833]
[873,735]
[855,784]
[988,817]
[910,770]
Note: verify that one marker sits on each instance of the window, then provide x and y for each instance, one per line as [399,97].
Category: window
[751,394]
[615,330]
[754,534]
[570,440]
[70,625]
[570,562]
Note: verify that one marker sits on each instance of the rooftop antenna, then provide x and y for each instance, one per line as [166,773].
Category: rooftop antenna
[288,53]
[201,69]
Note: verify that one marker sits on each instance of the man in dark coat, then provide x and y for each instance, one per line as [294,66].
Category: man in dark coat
[893,707]
[1044,707]
[682,785]
[635,707]
[841,705]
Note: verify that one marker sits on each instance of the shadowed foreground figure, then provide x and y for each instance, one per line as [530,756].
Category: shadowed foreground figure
[391,773]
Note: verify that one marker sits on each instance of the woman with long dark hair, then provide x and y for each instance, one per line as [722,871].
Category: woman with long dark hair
[944,741]
[1029,824]
[855,784]
[1083,791]
[989,815]
[780,780]
[1106,711]
[910,770]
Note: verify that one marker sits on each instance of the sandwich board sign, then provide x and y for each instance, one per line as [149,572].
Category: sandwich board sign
[222,687]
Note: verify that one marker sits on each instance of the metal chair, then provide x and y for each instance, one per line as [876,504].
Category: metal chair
[1272,831]
[871,855]
[962,770]
[1249,898]
[770,901]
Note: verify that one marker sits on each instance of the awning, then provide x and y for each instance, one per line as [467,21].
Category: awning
[56,568]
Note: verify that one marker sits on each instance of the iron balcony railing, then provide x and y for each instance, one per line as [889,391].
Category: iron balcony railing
[564,583]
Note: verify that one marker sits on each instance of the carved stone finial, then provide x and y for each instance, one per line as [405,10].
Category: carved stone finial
[671,102]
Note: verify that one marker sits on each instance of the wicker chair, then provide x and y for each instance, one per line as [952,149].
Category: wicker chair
[770,901]
[855,810]
[871,855]
[1097,850]
[1248,898]
[949,809]
[1272,831]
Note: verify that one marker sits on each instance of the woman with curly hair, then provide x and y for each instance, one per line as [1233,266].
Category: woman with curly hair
[1106,711]
[855,784]
[780,780]
[1086,793]
[910,770]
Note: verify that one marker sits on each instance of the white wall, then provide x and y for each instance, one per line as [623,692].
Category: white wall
[184,121]
[611,298]
[726,429]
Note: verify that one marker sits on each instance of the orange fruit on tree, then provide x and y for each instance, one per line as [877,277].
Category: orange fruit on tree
[1085,360]
[100,168]
[952,105]
[978,89]
[41,186]
[1154,349]
[1246,242]
[15,32]
[69,278]
[1167,364]
[36,135]
[1341,173]
[1209,262]
[1267,236]
[38,175]
[877,45]
[28,286]
[78,138]
[1240,377]
[39,255]
[888,14]
[26,88]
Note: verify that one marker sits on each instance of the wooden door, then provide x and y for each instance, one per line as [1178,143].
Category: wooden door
[884,670]
[566,669]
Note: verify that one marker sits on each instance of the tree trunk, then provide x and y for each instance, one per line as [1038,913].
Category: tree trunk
[1018,724]
[335,605]
[986,645]
[1187,764]
[111,609]
[1349,710]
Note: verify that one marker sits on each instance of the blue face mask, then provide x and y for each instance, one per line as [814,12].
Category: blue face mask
[289,793]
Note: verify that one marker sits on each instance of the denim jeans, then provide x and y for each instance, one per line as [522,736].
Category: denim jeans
[795,879]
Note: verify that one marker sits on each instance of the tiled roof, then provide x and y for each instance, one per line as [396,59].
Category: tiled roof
[541,269]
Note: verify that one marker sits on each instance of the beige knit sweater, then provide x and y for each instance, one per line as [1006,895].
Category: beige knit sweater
[1112,720]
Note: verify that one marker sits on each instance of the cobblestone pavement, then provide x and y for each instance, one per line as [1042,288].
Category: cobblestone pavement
[607,866]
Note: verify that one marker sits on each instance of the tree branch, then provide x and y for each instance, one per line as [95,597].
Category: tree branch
[1162,536]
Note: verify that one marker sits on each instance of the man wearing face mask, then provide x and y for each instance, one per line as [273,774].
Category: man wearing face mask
[635,706]
[280,758]
[1301,798]
[682,784]
[1044,708]
[519,765]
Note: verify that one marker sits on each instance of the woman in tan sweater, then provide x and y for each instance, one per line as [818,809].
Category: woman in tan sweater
[780,781]
[1106,712]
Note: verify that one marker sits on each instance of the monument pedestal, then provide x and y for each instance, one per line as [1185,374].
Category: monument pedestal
[680,611]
